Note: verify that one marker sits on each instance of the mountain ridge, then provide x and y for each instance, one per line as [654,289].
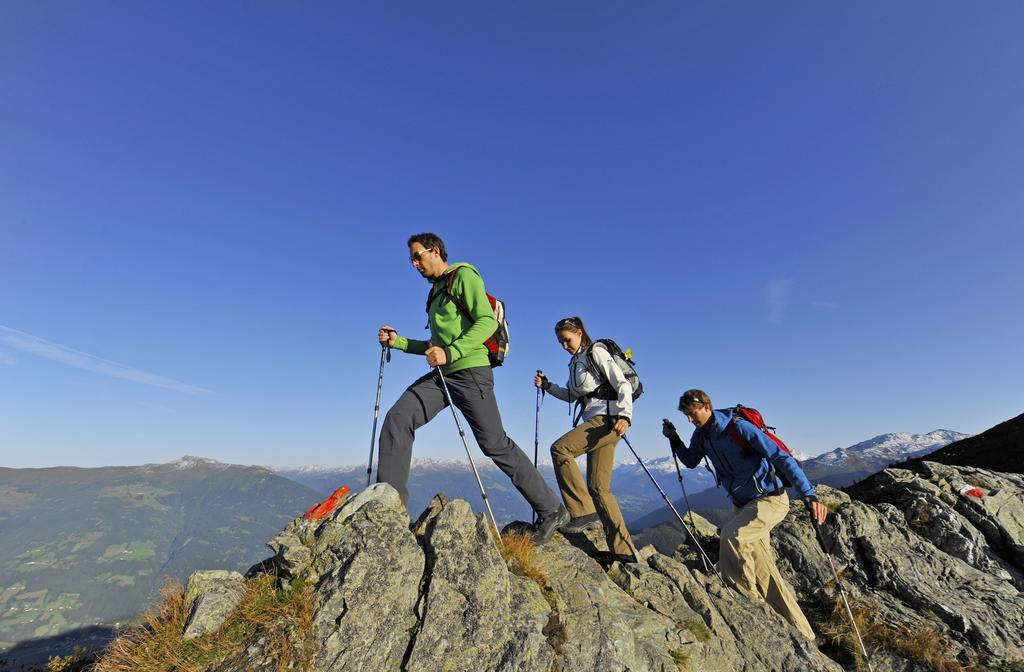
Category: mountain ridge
[88,546]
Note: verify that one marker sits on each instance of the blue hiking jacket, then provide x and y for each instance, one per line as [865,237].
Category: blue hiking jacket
[746,476]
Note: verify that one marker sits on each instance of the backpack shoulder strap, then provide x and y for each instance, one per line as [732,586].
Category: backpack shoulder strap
[449,283]
[591,364]
[738,438]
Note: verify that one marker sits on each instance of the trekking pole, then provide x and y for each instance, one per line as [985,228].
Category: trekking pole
[842,591]
[679,472]
[385,354]
[536,432]
[708,565]
[462,434]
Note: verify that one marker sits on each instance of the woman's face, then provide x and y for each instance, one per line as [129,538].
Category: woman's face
[570,340]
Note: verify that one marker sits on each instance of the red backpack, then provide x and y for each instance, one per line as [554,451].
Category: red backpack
[498,342]
[754,417]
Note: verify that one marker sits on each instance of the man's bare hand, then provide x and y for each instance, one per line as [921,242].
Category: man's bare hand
[387,336]
[621,426]
[436,356]
[818,512]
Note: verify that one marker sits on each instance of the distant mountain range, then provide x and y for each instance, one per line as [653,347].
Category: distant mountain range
[843,466]
[636,496]
[642,506]
[83,547]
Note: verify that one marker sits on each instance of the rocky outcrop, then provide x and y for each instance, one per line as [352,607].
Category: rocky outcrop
[603,628]
[726,630]
[923,562]
[439,595]
[367,568]
[933,575]
[475,614]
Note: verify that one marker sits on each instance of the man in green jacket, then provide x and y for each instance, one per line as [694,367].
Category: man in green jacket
[459,324]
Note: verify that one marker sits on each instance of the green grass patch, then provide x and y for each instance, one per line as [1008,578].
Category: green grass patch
[138,495]
[85,541]
[112,579]
[14,501]
[133,551]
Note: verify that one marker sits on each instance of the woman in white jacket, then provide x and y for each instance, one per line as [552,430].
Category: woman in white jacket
[606,411]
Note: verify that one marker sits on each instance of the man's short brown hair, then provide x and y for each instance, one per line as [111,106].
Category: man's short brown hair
[429,241]
[694,398]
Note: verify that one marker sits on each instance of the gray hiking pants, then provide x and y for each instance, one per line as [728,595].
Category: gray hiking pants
[472,391]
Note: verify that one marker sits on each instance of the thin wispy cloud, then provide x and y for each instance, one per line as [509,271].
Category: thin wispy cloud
[779,292]
[155,407]
[19,340]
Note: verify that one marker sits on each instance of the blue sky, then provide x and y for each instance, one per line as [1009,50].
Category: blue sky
[810,208]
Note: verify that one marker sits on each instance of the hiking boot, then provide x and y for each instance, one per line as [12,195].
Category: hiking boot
[576,525]
[548,523]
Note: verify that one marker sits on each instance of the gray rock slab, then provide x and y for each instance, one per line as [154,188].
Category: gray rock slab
[212,596]
[741,634]
[367,586]
[476,615]
[913,581]
[606,630]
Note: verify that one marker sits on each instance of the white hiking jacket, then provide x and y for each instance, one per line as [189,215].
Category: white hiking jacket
[583,380]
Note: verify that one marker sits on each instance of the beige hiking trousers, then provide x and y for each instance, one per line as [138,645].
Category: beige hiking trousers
[746,559]
[595,438]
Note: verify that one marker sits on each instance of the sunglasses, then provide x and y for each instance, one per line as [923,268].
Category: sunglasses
[418,254]
[568,322]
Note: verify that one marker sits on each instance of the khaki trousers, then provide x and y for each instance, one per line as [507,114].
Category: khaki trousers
[747,561]
[595,438]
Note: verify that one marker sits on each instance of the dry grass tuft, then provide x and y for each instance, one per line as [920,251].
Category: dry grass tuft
[517,550]
[923,645]
[284,617]
[700,631]
[156,645]
[681,658]
[77,661]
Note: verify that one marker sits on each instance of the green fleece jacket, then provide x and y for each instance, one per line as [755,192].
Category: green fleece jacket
[462,337]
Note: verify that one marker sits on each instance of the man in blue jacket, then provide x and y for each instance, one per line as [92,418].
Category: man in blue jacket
[750,475]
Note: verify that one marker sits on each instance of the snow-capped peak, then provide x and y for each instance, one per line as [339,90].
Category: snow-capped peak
[193,461]
[893,447]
